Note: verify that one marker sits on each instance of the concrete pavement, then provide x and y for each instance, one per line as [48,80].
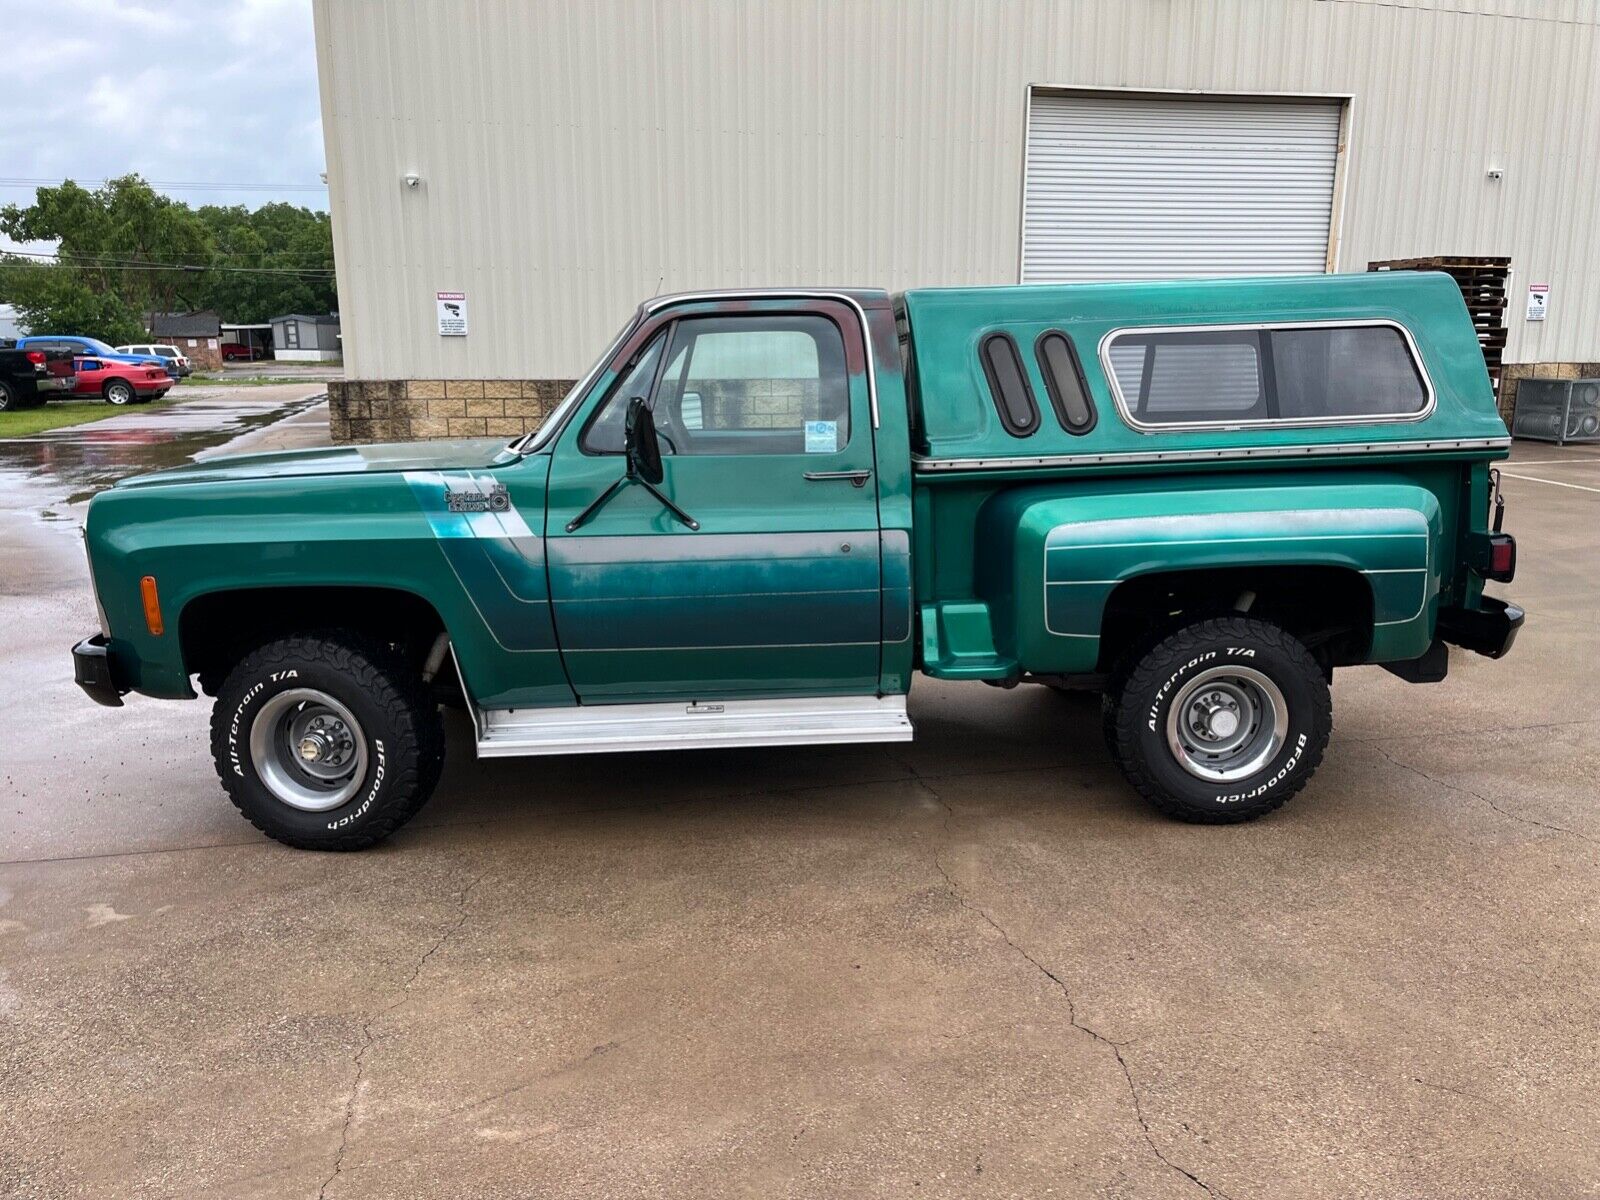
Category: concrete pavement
[976,965]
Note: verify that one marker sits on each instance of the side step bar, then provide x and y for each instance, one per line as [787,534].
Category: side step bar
[610,728]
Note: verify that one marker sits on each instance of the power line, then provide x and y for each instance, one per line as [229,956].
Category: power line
[12,181]
[87,261]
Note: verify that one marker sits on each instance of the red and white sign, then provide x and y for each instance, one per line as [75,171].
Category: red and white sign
[1538,301]
[452,313]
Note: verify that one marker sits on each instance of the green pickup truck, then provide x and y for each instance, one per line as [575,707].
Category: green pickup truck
[760,514]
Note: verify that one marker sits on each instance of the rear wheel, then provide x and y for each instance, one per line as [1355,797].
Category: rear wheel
[326,742]
[9,400]
[119,392]
[1220,721]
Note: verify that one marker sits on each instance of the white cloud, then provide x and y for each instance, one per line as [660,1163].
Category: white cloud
[181,90]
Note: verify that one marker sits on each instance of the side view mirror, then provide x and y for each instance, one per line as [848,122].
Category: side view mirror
[640,443]
[643,452]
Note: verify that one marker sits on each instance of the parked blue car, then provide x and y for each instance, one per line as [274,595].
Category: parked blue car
[83,346]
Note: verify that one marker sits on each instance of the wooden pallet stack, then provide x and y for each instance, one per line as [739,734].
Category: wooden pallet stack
[1483,283]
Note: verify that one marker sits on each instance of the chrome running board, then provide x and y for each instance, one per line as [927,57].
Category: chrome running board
[610,728]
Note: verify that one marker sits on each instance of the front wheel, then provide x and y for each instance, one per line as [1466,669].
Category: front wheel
[326,742]
[1221,721]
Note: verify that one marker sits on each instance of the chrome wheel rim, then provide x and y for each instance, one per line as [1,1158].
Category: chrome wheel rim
[1227,723]
[308,749]
[119,394]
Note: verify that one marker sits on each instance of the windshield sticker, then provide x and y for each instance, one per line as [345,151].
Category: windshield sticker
[822,437]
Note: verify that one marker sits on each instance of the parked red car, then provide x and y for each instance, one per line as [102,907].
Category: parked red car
[120,382]
[235,351]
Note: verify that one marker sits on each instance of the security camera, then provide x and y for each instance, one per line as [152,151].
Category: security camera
[412,179]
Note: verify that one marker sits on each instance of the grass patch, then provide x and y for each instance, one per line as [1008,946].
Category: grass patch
[199,380]
[57,414]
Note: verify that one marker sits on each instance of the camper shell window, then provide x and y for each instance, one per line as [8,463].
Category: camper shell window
[1186,377]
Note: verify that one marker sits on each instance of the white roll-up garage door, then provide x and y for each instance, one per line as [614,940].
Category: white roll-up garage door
[1138,188]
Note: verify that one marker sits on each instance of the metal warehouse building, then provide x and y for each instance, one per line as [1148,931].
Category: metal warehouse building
[509,179]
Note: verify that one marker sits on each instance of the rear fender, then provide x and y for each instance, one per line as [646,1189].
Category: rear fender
[1048,562]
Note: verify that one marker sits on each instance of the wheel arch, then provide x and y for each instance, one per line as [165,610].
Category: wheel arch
[217,628]
[1329,606]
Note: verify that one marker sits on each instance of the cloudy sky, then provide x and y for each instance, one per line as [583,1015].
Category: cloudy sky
[181,91]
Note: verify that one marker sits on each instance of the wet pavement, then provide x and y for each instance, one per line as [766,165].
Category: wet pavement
[82,459]
[975,965]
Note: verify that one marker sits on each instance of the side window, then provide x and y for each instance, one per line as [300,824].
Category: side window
[1008,384]
[1063,379]
[737,385]
[1302,374]
[1180,378]
[1364,370]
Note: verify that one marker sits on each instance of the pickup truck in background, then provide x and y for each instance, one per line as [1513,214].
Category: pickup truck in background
[30,377]
[761,514]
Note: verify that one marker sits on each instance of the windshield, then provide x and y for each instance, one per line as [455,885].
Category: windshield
[529,442]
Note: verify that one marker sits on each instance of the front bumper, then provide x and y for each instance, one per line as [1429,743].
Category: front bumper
[1489,629]
[94,670]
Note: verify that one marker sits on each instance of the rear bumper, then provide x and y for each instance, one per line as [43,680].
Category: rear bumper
[56,383]
[94,670]
[1488,630]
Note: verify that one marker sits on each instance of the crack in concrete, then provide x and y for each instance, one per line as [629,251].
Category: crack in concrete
[1466,791]
[1066,994]
[370,1038]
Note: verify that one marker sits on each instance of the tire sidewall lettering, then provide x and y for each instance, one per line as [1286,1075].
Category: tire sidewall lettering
[241,765]
[1278,777]
[1280,770]
[380,769]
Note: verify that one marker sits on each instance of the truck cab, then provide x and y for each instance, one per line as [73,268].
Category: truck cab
[760,515]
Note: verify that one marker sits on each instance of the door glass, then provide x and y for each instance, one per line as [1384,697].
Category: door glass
[756,385]
[604,434]
[738,385]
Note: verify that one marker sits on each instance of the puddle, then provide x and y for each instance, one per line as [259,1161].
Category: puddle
[68,466]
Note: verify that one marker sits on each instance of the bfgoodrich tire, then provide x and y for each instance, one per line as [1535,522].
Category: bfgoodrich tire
[326,741]
[1221,721]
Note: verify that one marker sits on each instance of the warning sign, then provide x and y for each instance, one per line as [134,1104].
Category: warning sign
[452,313]
[1538,301]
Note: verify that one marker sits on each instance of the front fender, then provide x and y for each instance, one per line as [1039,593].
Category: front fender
[389,531]
[1049,559]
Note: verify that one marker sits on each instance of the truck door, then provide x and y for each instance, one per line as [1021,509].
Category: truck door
[766,439]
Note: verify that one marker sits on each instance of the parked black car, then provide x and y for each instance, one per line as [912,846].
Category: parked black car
[30,377]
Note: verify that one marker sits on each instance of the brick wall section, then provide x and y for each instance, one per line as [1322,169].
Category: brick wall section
[200,355]
[407,410]
[1513,373]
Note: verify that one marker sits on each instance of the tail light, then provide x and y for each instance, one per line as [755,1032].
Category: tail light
[37,357]
[1502,563]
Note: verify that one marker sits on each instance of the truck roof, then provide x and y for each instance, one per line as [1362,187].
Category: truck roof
[957,423]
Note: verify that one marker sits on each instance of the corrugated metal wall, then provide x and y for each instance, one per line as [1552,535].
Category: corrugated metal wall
[577,155]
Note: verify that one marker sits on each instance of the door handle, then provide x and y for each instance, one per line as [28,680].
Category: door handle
[856,478]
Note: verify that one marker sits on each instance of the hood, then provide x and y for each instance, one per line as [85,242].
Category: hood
[337,460]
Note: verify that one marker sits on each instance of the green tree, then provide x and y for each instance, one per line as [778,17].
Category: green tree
[51,299]
[124,240]
[282,260]
[124,249]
